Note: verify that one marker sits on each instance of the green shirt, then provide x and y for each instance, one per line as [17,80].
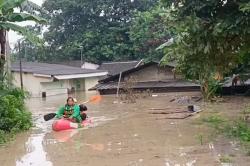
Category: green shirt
[70,112]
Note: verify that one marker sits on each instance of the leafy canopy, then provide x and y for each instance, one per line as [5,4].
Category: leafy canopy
[101,28]
[210,37]
[8,17]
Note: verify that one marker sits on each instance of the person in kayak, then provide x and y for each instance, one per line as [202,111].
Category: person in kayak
[83,110]
[70,111]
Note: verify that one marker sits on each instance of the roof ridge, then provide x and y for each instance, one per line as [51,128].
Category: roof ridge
[120,62]
[52,69]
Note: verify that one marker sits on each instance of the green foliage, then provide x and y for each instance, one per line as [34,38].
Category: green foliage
[200,138]
[214,87]
[239,129]
[19,17]
[31,37]
[245,6]
[215,121]
[101,28]
[8,18]
[13,115]
[148,31]
[28,50]
[209,38]
[225,159]
[4,136]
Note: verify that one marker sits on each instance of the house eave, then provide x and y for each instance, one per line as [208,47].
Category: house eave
[42,75]
[74,76]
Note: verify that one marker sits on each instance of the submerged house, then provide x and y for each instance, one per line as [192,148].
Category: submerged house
[115,68]
[43,79]
[148,76]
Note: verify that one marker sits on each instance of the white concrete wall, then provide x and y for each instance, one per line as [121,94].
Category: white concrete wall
[85,83]
[36,85]
[87,65]
[78,84]
[30,83]
[91,82]
[54,88]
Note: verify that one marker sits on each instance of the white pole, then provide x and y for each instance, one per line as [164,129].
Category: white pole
[118,87]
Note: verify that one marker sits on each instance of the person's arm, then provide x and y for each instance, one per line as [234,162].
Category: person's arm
[76,112]
[60,112]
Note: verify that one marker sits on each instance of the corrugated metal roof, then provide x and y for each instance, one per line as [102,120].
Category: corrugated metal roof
[73,63]
[145,85]
[116,67]
[51,69]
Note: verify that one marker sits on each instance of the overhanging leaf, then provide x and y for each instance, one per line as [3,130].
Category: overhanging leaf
[23,31]
[29,6]
[1,2]
[245,7]
[9,5]
[166,44]
[19,17]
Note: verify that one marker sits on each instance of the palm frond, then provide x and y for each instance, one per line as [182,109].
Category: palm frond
[23,31]
[19,17]
[31,7]
[8,5]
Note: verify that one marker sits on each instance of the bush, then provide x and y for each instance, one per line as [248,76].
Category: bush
[215,121]
[13,116]
[225,159]
[239,129]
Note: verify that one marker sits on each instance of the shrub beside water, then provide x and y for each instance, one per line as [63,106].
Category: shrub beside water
[14,117]
[239,128]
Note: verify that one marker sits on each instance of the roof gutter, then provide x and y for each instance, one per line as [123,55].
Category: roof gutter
[73,76]
[42,75]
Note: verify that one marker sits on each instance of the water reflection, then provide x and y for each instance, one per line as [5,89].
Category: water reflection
[42,136]
[36,154]
[64,136]
[37,141]
[42,146]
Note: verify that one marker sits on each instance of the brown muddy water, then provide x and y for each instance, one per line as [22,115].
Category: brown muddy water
[126,135]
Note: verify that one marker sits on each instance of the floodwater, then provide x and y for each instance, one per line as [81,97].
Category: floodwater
[126,135]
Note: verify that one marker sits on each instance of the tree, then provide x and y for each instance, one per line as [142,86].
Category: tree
[14,117]
[29,51]
[100,27]
[8,18]
[210,37]
[147,32]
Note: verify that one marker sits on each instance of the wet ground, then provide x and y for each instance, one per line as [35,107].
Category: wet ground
[127,135]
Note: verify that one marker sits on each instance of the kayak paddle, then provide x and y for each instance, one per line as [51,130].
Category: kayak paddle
[93,99]
[49,116]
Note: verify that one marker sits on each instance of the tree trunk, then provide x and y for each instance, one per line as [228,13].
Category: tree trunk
[3,51]
[218,76]
[204,90]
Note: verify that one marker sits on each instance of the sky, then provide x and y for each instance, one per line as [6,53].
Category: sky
[13,37]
